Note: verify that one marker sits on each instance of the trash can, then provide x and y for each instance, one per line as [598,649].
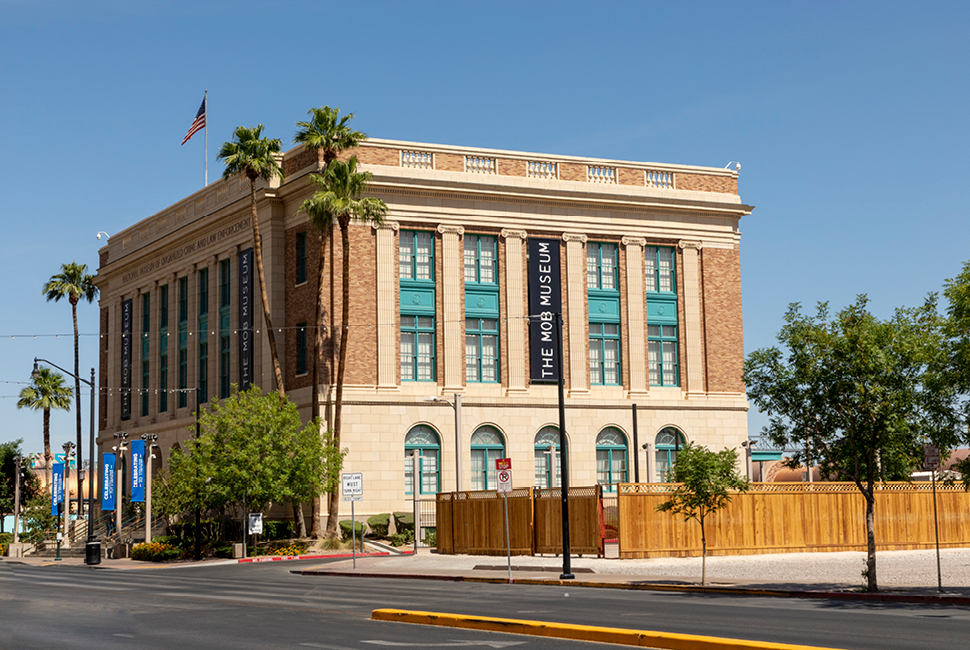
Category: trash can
[92,553]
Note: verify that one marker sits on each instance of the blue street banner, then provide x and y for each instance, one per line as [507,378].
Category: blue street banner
[108,482]
[57,486]
[137,471]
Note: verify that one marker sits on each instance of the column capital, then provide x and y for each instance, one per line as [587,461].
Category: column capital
[514,234]
[634,241]
[571,236]
[386,225]
[688,243]
[451,230]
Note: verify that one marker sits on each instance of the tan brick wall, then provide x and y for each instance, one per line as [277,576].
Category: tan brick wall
[510,167]
[103,369]
[449,162]
[706,183]
[300,304]
[572,172]
[627,176]
[103,257]
[723,333]
[293,164]
[379,156]
[362,335]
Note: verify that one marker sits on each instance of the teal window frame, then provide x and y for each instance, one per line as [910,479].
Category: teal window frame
[487,445]
[163,348]
[663,362]
[481,259]
[548,435]
[482,341]
[605,364]
[603,291]
[665,452]
[603,267]
[482,351]
[301,258]
[663,347]
[203,337]
[146,329]
[660,269]
[183,342]
[418,348]
[425,444]
[225,306]
[612,466]
[418,336]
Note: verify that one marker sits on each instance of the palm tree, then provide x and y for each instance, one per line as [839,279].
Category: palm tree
[74,283]
[339,197]
[327,133]
[254,156]
[45,392]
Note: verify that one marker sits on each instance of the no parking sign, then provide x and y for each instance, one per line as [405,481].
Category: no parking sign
[503,474]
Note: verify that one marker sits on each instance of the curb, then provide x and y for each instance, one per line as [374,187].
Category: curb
[321,556]
[596,634]
[924,599]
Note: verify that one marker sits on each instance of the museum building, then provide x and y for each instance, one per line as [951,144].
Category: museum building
[455,300]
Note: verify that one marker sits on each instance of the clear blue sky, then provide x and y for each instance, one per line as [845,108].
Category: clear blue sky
[849,119]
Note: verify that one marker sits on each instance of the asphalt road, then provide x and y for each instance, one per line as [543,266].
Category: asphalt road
[267,606]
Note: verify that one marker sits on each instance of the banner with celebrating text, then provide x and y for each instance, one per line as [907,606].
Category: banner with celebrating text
[138,471]
[108,482]
[57,486]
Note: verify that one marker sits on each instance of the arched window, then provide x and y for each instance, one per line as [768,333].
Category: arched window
[487,445]
[611,465]
[422,444]
[669,440]
[547,444]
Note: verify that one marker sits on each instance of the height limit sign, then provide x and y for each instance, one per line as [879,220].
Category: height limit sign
[503,474]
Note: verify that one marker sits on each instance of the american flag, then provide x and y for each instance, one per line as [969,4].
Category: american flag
[198,124]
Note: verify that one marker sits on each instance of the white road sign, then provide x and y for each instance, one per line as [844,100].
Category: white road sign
[255,523]
[353,486]
[504,477]
[931,457]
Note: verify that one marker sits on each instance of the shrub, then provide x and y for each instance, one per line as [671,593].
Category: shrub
[403,538]
[404,521]
[277,529]
[431,537]
[379,524]
[155,552]
[345,529]
[5,539]
[296,548]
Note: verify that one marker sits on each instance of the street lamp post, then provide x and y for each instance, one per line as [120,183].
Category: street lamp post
[119,488]
[68,448]
[92,549]
[456,405]
[16,499]
[564,459]
[150,446]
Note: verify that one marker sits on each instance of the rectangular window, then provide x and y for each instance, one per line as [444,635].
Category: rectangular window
[417,348]
[417,255]
[301,257]
[225,303]
[301,349]
[481,259]
[601,267]
[203,338]
[146,328]
[662,355]
[604,353]
[659,269]
[183,327]
[481,350]
[163,348]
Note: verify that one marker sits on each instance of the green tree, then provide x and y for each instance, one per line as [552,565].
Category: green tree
[858,395]
[74,283]
[38,522]
[255,156]
[328,134]
[252,447]
[705,480]
[29,484]
[957,292]
[46,392]
[340,193]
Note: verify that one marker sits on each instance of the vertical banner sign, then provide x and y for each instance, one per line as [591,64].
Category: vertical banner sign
[545,301]
[137,471]
[108,482]
[57,486]
[245,319]
[126,318]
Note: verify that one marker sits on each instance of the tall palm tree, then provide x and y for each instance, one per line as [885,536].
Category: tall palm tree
[339,197]
[74,283]
[253,155]
[45,392]
[328,134]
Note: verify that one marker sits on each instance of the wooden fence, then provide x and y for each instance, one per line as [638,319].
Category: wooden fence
[473,523]
[794,517]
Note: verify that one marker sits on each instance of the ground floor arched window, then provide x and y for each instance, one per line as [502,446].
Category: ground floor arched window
[487,445]
[669,440]
[547,448]
[422,452]
[611,455]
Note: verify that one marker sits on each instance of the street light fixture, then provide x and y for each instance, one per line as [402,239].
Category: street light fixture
[16,500]
[92,549]
[120,448]
[68,448]
[456,405]
[150,447]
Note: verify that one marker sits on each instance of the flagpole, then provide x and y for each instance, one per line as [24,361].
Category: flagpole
[205,99]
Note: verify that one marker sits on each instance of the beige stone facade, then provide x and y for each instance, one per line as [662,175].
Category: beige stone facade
[452,194]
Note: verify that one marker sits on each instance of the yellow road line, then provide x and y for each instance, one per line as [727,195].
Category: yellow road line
[639,638]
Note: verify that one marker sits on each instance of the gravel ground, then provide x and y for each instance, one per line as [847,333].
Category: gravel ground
[895,568]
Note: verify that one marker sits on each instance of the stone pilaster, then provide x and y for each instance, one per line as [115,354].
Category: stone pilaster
[692,314]
[452,314]
[387,324]
[576,308]
[515,299]
[636,315]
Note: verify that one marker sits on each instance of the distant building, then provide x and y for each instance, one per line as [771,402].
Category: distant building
[644,259]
